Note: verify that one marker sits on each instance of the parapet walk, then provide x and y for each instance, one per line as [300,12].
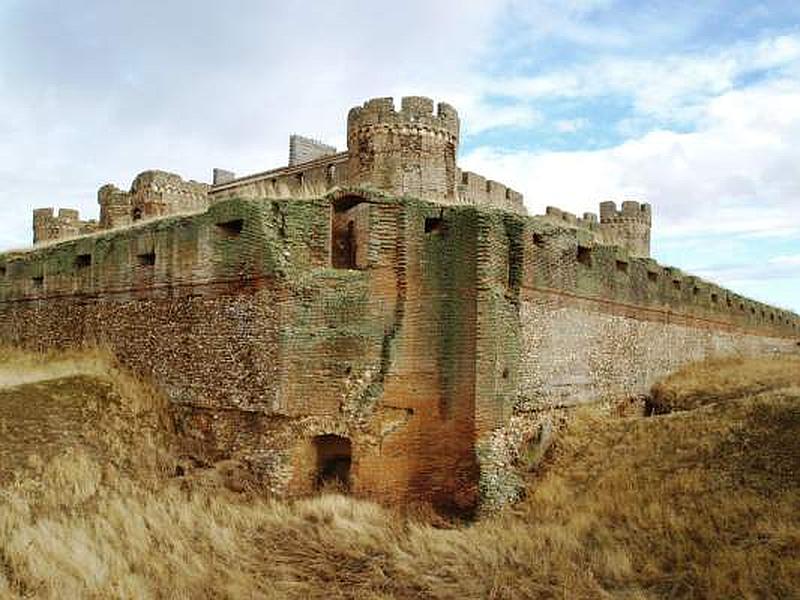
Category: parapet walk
[406,152]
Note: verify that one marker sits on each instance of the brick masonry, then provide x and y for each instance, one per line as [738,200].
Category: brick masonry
[455,321]
[433,335]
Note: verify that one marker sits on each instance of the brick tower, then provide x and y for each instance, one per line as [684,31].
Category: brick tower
[407,152]
[628,228]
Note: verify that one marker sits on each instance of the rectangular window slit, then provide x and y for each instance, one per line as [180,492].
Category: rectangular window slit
[435,225]
[585,256]
[38,281]
[622,266]
[146,260]
[231,228]
[350,219]
[538,240]
[82,261]
[652,276]
[714,298]
[676,284]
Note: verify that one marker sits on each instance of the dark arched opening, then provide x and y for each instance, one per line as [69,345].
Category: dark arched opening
[137,214]
[334,457]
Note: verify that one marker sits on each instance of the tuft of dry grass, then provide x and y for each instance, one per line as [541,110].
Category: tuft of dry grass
[693,504]
[719,380]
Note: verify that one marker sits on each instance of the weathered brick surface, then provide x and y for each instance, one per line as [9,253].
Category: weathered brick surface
[432,337]
[261,345]
[455,324]
[628,228]
[47,226]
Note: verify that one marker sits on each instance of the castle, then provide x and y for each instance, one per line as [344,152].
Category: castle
[375,316]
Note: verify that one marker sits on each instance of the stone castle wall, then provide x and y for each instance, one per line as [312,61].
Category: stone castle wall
[566,321]
[583,321]
[453,321]
[239,318]
[628,228]
[410,151]
[309,179]
[303,150]
[153,194]
[48,226]
[476,190]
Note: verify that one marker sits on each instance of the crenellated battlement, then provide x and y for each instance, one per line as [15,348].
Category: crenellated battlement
[479,191]
[403,151]
[416,112]
[588,221]
[152,194]
[630,210]
[49,226]
[410,152]
[628,227]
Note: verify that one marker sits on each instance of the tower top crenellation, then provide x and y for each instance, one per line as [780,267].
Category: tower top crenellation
[417,111]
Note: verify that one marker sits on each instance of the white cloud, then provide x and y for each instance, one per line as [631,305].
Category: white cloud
[570,125]
[671,87]
[736,174]
[94,92]
[735,177]
[787,260]
[778,267]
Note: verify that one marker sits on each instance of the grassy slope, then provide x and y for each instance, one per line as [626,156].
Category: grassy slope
[695,503]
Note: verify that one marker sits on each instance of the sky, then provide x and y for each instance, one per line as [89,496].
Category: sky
[691,106]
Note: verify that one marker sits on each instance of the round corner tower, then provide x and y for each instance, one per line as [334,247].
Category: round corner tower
[407,152]
[628,228]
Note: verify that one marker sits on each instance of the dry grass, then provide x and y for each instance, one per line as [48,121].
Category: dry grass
[18,367]
[720,380]
[694,504]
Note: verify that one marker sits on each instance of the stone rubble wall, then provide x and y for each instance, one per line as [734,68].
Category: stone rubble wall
[236,315]
[565,320]
[458,325]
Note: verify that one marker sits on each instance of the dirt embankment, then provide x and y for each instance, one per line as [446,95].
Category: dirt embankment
[697,503]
